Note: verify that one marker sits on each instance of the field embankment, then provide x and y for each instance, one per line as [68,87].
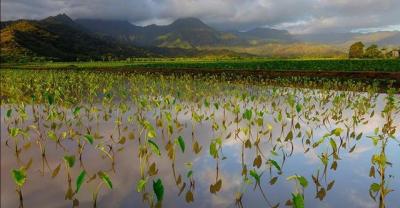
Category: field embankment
[341,68]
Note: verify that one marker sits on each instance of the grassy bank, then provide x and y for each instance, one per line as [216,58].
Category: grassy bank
[345,65]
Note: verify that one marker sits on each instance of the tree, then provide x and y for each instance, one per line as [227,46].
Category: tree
[373,52]
[356,50]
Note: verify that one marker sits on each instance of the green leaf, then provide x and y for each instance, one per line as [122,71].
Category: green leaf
[260,121]
[52,135]
[206,103]
[190,173]
[76,111]
[158,189]
[19,176]
[151,134]
[247,114]
[359,136]
[213,149]
[154,147]
[320,141]
[216,105]
[14,132]
[298,201]
[275,164]
[80,180]
[181,143]
[374,187]
[70,160]
[333,144]
[298,107]
[9,113]
[337,131]
[302,180]
[50,99]
[218,141]
[289,136]
[375,140]
[106,179]
[255,175]
[89,138]
[376,130]
[140,185]
[279,116]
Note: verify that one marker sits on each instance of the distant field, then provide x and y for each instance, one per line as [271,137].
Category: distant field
[345,65]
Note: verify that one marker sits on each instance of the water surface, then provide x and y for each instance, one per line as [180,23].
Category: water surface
[233,131]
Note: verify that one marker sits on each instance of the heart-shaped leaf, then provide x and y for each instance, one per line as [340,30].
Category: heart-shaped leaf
[19,176]
[298,201]
[70,160]
[158,189]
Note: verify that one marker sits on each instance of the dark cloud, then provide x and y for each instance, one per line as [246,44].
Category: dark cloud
[299,16]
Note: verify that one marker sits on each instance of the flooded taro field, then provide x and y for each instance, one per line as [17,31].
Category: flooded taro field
[87,139]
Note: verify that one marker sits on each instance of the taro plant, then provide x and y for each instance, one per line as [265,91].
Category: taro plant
[104,180]
[297,200]
[380,160]
[19,176]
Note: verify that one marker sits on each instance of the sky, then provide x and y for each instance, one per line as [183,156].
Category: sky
[296,16]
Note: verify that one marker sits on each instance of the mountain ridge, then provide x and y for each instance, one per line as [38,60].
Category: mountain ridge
[62,38]
[188,32]
[57,38]
[191,32]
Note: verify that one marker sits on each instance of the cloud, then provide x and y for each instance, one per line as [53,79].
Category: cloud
[300,16]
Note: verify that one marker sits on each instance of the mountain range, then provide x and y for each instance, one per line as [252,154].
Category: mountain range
[61,38]
[182,33]
[58,38]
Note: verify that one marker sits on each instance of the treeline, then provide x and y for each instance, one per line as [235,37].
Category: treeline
[357,51]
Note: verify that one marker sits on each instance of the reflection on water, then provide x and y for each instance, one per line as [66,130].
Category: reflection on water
[116,140]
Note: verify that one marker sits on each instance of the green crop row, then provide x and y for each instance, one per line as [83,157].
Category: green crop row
[389,65]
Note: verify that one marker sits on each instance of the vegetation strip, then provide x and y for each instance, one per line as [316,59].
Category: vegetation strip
[353,65]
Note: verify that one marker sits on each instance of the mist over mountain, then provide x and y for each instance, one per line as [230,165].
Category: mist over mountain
[381,38]
[266,34]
